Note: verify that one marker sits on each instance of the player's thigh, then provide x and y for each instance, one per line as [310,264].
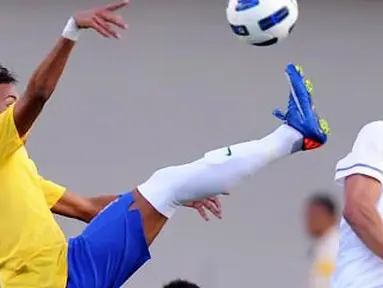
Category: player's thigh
[111,248]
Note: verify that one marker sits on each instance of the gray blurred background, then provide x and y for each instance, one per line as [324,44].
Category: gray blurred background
[178,84]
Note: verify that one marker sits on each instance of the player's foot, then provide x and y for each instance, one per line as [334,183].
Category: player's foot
[301,114]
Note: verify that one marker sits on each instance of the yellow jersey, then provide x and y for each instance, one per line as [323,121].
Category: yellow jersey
[33,249]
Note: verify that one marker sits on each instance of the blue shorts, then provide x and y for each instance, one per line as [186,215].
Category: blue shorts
[110,249]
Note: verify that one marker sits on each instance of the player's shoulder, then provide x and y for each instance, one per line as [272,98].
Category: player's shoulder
[372,131]
[372,127]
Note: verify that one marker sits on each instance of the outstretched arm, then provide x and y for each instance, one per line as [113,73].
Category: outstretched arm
[86,208]
[41,85]
[82,208]
[45,78]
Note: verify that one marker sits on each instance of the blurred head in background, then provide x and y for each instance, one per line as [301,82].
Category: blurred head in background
[181,284]
[321,215]
[322,226]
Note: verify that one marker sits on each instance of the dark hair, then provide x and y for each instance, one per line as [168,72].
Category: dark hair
[181,284]
[6,77]
[324,201]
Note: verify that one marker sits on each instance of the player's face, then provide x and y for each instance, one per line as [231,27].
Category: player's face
[316,220]
[8,95]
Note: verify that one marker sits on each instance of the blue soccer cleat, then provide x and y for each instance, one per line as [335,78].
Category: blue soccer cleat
[301,114]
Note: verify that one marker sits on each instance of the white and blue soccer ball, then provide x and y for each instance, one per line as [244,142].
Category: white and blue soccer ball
[262,22]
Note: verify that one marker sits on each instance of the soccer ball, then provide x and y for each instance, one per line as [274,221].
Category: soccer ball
[262,22]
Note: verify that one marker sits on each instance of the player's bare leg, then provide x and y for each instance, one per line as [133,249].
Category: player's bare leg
[152,220]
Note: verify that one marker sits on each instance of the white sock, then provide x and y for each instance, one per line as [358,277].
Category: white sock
[217,171]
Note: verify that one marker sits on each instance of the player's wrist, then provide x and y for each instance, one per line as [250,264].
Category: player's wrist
[71,30]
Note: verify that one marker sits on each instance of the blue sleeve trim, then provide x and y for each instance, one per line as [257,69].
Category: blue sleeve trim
[359,165]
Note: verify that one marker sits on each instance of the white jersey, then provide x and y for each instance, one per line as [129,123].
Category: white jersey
[323,261]
[357,266]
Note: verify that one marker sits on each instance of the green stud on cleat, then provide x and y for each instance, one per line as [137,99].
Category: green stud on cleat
[309,86]
[299,69]
[324,126]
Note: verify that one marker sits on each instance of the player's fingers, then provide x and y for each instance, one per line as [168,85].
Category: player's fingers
[113,19]
[203,213]
[107,28]
[100,28]
[196,204]
[116,5]
[216,202]
[213,209]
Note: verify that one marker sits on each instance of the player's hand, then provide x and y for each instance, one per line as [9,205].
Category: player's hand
[103,19]
[211,204]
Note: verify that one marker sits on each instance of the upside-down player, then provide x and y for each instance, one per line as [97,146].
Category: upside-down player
[33,249]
